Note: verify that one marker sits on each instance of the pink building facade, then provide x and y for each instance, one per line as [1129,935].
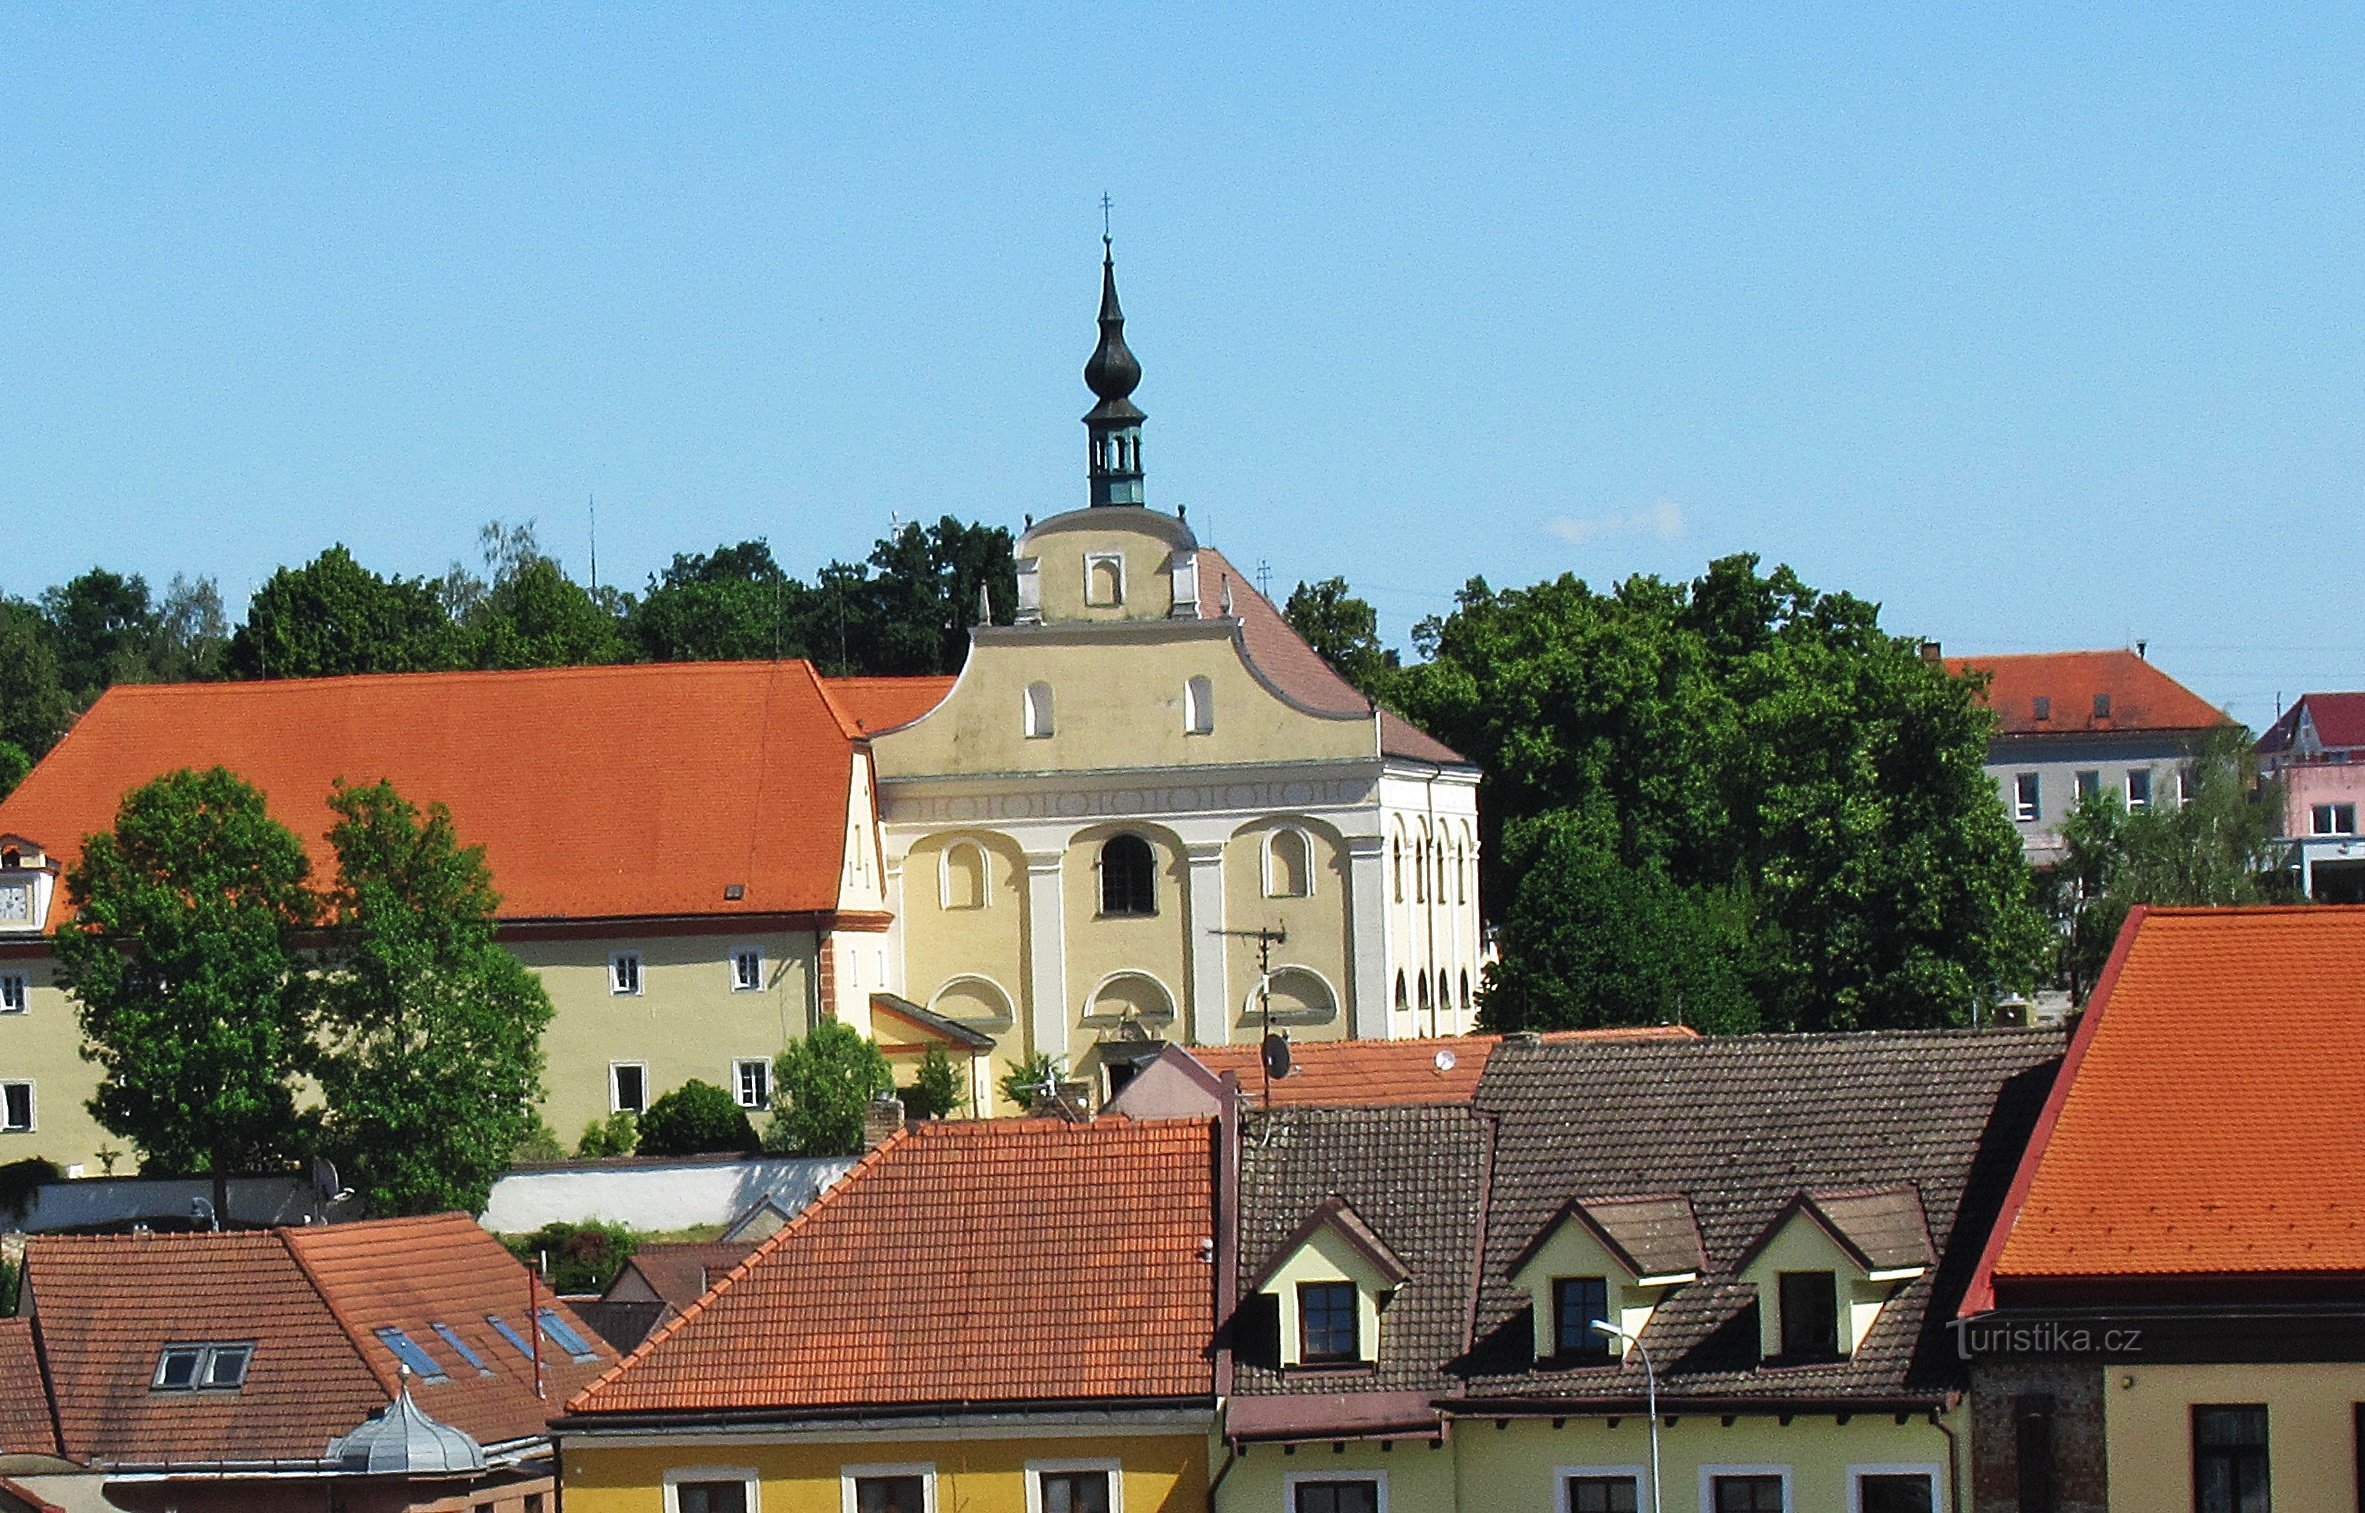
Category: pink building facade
[2317,748]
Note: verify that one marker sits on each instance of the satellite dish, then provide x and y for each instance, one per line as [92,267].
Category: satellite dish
[324,1177]
[1276,1055]
[1445,1059]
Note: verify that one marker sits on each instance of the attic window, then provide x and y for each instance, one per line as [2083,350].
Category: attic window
[202,1368]
[2102,706]
[1810,1315]
[451,1337]
[560,1333]
[501,1327]
[1577,1303]
[412,1354]
[1328,1331]
[11,859]
[2044,707]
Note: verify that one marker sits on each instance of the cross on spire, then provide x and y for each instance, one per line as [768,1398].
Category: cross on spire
[1105,205]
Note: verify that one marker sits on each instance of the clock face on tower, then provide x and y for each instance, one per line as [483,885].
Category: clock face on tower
[16,903]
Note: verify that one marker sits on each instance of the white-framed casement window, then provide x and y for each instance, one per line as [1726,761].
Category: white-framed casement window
[16,992]
[1599,1489]
[2332,819]
[751,1082]
[747,970]
[711,1489]
[624,973]
[1334,1492]
[2139,788]
[1745,1489]
[16,1108]
[2184,785]
[1908,1488]
[2089,784]
[1074,1486]
[907,1488]
[1104,579]
[2027,797]
[628,1087]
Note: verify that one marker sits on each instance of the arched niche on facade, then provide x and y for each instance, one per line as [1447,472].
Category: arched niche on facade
[1300,995]
[978,1002]
[1129,998]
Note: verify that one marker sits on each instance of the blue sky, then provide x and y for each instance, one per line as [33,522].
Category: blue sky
[2042,328]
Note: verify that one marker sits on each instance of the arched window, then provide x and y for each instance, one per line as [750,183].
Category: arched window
[1444,990]
[1038,710]
[1198,706]
[1401,1001]
[1465,990]
[966,876]
[1424,992]
[1461,875]
[1396,861]
[1104,580]
[1441,894]
[1128,876]
[1420,870]
[1289,865]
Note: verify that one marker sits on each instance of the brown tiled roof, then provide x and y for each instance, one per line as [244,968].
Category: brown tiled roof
[1741,1125]
[1337,1214]
[2141,697]
[1413,1175]
[1368,1073]
[680,1273]
[1651,1237]
[592,789]
[970,1262]
[309,1301]
[1298,670]
[2207,1122]
[25,1424]
[876,704]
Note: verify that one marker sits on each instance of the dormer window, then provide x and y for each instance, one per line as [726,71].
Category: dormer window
[2043,709]
[2102,706]
[1326,1287]
[1326,1323]
[1826,1265]
[11,859]
[1608,1260]
[1577,1304]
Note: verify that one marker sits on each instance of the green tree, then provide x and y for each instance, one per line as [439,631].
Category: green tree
[192,637]
[617,1135]
[14,764]
[1747,736]
[430,1033]
[35,708]
[1345,630]
[1590,941]
[538,617]
[1024,1083]
[821,1086]
[2221,845]
[103,629]
[696,1119]
[924,599]
[936,1089]
[576,1256]
[182,960]
[333,616]
[731,604]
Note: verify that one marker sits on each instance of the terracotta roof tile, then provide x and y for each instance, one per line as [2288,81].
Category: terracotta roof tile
[596,791]
[309,1300]
[2339,719]
[876,704]
[680,1273]
[2208,1121]
[1371,1073]
[2141,696]
[990,1261]
[25,1425]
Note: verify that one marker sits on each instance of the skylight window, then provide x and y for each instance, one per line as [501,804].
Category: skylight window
[501,1327]
[202,1368]
[560,1333]
[460,1348]
[411,1354]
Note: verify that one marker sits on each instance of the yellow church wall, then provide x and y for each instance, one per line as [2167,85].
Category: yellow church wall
[1143,540]
[1099,947]
[955,959]
[1158,1473]
[2311,1448]
[1319,926]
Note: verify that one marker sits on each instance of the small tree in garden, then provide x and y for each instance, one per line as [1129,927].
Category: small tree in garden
[820,1087]
[936,1091]
[1024,1083]
[616,1135]
[696,1119]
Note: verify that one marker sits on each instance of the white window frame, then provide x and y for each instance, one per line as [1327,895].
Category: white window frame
[2027,811]
[1199,705]
[640,974]
[1290,1481]
[1095,559]
[2184,784]
[2324,819]
[1709,1474]
[1930,1469]
[2086,783]
[924,1470]
[732,960]
[615,1103]
[739,1063]
[2134,803]
[32,1124]
[1035,1470]
[944,877]
[24,992]
[1265,855]
[1639,1475]
[744,1475]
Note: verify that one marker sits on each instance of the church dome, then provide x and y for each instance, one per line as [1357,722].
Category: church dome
[401,1440]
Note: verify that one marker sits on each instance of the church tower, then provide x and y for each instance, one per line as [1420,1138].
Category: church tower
[1114,425]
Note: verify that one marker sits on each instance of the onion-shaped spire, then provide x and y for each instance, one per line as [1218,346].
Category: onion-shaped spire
[1114,425]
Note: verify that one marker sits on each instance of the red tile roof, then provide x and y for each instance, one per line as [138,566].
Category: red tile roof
[1370,1073]
[2339,719]
[597,792]
[678,1273]
[309,1300]
[2205,1122]
[1298,670]
[2141,696]
[25,1426]
[971,1262]
[876,704]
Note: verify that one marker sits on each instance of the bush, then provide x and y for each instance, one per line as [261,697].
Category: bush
[696,1119]
[538,1143]
[615,1135]
[936,1092]
[581,1257]
[820,1088]
[20,1180]
[1025,1080]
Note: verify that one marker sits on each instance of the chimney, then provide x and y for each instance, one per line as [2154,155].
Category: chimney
[1932,653]
[882,1120]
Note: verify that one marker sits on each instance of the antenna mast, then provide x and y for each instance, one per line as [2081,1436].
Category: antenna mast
[1266,939]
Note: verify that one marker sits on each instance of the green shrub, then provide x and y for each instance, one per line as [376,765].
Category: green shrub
[615,1135]
[820,1087]
[538,1143]
[580,1258]
[936,1092]
[1025,1081]
[20,1180]
[696,1119]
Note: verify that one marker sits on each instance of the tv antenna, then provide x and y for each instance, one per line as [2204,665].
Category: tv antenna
[1273,1053]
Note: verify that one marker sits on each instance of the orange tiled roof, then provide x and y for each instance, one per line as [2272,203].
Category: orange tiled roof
[25,1427]
[2206,1120]
[972,1262]
[876,704]
[2141,696]
[1370,1073]
[309,1300]
[597,792]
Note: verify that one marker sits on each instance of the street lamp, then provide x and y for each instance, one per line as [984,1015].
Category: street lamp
[1650,1380]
